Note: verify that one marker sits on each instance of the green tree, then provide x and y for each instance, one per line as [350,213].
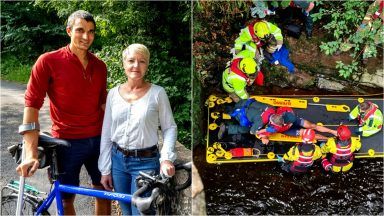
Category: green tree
[27,31]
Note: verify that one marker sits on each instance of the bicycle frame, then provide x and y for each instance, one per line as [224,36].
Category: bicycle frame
[55,193]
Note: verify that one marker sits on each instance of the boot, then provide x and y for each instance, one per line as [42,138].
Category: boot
[221,132]
[309,35]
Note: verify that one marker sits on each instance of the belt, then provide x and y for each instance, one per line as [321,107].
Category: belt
[145,152]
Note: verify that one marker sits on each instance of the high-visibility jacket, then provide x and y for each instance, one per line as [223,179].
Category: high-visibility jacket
[371,122]
[341,153]
[302,160]
[234,83]
[248,38]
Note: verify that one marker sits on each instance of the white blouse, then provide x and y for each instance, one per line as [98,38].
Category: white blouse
[135,125]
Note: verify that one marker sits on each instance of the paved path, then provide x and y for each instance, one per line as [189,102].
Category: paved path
[12,105]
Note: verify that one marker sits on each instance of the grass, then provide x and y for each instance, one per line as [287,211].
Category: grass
[13,70]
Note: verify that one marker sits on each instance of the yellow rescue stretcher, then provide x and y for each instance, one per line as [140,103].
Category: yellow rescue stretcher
[325,111]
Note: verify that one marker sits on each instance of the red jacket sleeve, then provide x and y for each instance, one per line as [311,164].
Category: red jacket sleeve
[38,83]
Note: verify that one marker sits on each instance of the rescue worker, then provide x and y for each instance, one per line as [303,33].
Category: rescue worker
[252,37]
[259,80]
[340,149]
[286,122]
[301,156]
[248,114]
[240,73]
[369,116]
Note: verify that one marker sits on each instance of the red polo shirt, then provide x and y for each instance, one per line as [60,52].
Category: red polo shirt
[76,94]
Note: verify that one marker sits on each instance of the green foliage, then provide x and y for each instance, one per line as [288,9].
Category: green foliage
[164,27]
[342,23]
[13,69]
[346,70]
[28,31]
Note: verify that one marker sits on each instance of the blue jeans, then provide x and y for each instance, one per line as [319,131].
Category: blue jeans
[124,173]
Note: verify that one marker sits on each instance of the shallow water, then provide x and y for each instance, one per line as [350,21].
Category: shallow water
[263,188]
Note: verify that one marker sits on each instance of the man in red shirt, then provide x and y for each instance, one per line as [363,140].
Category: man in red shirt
[75,81]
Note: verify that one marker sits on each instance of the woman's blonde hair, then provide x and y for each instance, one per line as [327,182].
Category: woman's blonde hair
[136,48]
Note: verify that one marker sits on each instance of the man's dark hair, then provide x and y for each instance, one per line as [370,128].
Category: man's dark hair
[80,14]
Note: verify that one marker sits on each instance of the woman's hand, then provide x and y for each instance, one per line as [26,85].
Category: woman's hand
[167,168]
[106,181]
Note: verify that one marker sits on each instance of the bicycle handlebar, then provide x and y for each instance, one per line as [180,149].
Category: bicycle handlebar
[144,204]
[147,181]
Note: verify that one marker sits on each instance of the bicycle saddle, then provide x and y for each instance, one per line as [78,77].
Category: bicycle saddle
[47,141]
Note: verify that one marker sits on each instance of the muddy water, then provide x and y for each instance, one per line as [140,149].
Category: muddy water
[262,188]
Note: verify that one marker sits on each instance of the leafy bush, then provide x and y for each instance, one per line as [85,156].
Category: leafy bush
[342,20]
[13,69]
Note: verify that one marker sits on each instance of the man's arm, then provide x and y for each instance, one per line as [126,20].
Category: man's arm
[30,163]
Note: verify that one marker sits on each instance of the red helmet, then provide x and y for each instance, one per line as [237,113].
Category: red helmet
[308,135]
[343,132]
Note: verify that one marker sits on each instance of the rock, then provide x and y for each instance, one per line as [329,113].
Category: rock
[329,85]
[198,195]
[184,199]
[373,80]
[303,80]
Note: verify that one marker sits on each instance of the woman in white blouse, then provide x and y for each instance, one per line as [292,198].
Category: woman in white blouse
[129,140]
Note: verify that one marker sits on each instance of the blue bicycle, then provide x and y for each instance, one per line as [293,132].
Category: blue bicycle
[162,190]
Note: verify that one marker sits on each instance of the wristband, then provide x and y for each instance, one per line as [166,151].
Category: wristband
[29,127]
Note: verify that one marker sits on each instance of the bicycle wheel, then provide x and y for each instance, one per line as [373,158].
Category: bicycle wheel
[165,203]
[9,205]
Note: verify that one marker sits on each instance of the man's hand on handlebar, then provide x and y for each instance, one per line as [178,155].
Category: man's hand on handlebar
[167,168]
[106,181]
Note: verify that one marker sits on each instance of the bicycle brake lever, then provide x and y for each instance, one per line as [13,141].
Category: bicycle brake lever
[146,175]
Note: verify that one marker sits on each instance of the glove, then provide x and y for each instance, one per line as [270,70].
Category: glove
[306,13]
[326,164]
[280,159]
[276,62]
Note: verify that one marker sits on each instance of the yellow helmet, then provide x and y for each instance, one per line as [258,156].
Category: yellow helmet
[261,29]
[248,65]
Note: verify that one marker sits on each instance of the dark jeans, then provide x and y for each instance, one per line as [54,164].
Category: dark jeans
[70,160]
